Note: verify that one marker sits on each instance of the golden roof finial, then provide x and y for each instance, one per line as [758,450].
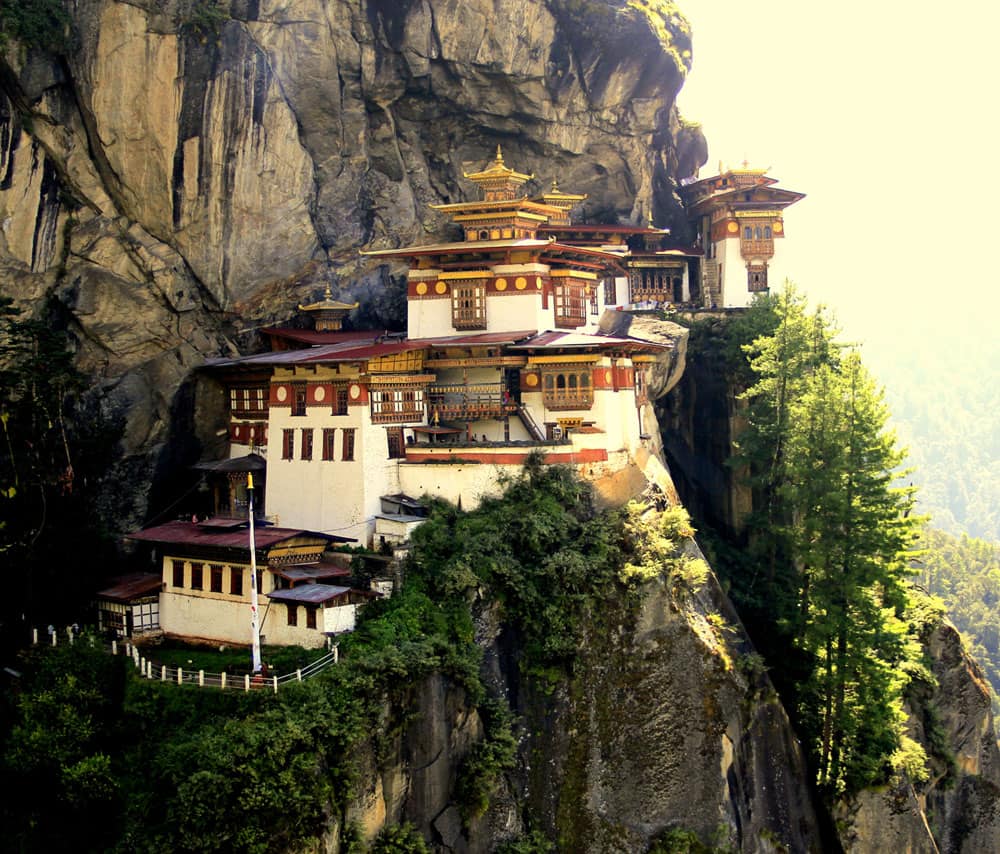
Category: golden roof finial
[499,155]
[327,293]
[649,218]
[555,186]
[746,163]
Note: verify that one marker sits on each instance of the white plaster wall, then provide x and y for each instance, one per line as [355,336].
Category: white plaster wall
[429,318]
[276,631]
[469,481]
[734,270]
[514,311]
[339,619]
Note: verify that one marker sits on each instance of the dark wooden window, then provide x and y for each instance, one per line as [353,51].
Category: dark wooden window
[394,439]
[299,399]
[293,614]
[571,304]
[397,403]
[567,389]
[339,400]
[468,305]
[757,279]
[247,401]
[215,578]
[610,291]
[287,444]
[307,444]
[329,442]
[236,580]
[260,581]
[310,617]
[178,567]
[348,447]
[196,576]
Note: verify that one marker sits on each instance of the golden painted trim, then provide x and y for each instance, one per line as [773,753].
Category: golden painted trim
[756,214]
[643,360]
[560,360]
[516,214]
[575,274]
[467,274]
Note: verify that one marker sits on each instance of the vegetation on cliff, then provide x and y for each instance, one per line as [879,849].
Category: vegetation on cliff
[965,573]
[830,539]
[52,453]
[166,767]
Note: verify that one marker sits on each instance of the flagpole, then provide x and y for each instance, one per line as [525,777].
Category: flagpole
[254,618]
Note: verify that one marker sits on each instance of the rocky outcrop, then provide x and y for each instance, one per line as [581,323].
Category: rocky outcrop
[193,168]
[668,723]
[957,811]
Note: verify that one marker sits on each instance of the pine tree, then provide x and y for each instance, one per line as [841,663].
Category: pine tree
[851,535]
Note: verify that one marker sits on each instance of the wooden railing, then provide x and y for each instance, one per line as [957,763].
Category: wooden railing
[458,402]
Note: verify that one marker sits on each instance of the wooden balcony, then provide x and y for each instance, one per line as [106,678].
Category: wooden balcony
[472,402]
[757,248]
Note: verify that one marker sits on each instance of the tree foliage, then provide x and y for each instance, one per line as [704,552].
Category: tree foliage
[830,538]
[52,455]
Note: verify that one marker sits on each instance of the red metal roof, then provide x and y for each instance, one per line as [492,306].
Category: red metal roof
[195,534]
[134,586]
[476,339]
[581,340]
[311,336]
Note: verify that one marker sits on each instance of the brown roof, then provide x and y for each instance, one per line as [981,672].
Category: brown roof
[134,586]
[200,534]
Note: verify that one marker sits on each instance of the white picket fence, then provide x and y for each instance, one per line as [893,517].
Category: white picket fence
[152,670]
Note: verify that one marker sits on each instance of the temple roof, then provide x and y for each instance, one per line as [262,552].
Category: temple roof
[328,303]
[497,171]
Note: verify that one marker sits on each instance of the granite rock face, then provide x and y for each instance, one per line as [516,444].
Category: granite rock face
[176,183]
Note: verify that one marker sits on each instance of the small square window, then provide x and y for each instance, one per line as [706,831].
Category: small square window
[293,614]
[348,446]
[215,578]
[236,580]
[196,576]
[178,567]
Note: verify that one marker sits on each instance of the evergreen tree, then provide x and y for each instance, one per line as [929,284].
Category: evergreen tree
[850,536]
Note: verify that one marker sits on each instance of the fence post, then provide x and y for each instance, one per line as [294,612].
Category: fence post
[222,681]
[275,678]
[142,665]
[201,678]
[246,683]
[54,638]
[34,636]
[163,673]
[180,675]
[149,670]
[69,634]
[336,654]
[298,674]
[114,647]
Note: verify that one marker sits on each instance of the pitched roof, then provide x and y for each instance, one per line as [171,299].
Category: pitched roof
[133,586]
[201,534]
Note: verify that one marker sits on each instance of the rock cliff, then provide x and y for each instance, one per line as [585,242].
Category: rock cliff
[184,171]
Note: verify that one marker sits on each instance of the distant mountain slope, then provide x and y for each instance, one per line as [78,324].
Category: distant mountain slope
[945,402]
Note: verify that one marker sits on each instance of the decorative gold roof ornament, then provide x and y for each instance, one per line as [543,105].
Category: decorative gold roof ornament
[328,313]
[498,181]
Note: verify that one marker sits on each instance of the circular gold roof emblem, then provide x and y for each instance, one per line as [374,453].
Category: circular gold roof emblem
[421,288]
[501,284]
[520,283]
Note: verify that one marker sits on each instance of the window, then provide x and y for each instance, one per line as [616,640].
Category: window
[594,308]
[293,614]
[394,439]
[248,400]
[567,389]
[215,578]
[299,399]
[767,232]
[307,444]
[178,567]
[348,446]
[310,617]
[610,291]
[747,232]
[399,403]
[339,400]
[641,394]
[329,442]
[468,305]
[287,444]
[259,575]
[236,580]
[756,279]
[571,307]
[196,576]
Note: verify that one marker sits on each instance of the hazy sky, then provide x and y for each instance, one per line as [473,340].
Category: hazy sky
[885,113]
